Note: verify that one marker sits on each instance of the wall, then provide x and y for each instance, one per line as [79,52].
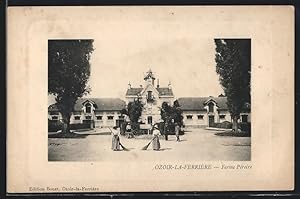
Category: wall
[227,116]
[195,121]
[151,108]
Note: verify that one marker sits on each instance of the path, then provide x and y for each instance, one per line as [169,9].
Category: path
[197,144]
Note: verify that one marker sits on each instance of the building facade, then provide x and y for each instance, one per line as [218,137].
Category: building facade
[152,96]
[101,112]
[205,111]
[105,112]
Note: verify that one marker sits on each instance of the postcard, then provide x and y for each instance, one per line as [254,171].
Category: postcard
[150,98]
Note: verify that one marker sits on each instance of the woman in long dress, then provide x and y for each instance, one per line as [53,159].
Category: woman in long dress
[155,141]
[115,139]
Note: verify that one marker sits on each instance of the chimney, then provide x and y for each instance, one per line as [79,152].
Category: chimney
[157,83]
[141,86]
[169,85]
[129,85]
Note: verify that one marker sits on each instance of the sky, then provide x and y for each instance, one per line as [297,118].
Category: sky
[175,50]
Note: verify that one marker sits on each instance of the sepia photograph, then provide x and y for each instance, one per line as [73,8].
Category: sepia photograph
[150,99]
[138,105]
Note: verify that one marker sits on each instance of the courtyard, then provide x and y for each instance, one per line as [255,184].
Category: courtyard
[196,144]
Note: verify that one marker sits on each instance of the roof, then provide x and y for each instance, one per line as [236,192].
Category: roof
[102,104]
[198,103]
[133,91]
[192,103]
[163,91]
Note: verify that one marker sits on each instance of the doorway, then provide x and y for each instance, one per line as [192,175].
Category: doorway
[211,120]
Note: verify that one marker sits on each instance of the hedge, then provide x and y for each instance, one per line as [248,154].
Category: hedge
[223,125]
[54,126]
[244,126]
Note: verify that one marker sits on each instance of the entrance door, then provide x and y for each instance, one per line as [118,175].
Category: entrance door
[149,119]
[211,120]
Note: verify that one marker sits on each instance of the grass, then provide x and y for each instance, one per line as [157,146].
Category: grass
[233,134]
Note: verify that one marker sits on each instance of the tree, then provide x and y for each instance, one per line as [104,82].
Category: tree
[123,123]
[68,74]
[233,60]
[171,115]
[177,113]
[134,110]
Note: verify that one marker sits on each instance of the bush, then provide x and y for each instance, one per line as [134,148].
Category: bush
[80,126]
[245,126]
[223,125]
[54,126]
[171,129]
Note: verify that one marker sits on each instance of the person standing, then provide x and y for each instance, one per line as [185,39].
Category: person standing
[115,139]
[177,131]
[155,141]
[166,130]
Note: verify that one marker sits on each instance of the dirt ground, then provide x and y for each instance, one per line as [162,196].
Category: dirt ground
[196,144]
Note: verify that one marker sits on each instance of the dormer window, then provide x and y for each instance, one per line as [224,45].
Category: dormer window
[210,107]
[88,108]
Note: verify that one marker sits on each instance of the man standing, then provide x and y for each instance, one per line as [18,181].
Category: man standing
[166,130]
[177,131]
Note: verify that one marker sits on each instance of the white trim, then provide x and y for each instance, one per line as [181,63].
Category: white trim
[144,89]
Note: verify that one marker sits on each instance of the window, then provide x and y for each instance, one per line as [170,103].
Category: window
[189,117]
[149,119]
[54,117]
[88,117]
[121,117]
[99,117]
[110,117]
[88,108]
[210,107]
[244,118]
[200,117]
[150,97]
[77,117]
[222,116]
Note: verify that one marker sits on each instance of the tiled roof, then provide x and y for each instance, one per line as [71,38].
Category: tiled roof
[192,103]
[102,104]
[162,91]
[221,102]
[198,103]
[133,91]
[165,91]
